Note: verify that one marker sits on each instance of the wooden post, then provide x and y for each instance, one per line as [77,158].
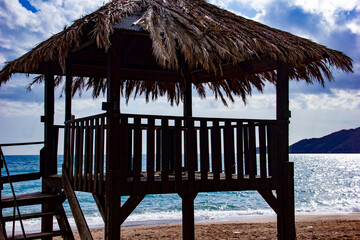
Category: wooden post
[187,98]
[187,107]
[68,94]
[49,161]
[112,191]
[285,186]
[188,223]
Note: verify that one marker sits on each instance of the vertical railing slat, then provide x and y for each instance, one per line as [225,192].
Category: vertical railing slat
[150,150]
[177,152]
[91,156]
[216,153]
[72,149]
[101,155]
[97,156]
[130,161]
[87,153]
[190,156]
[229,150]
[137,151]
[125,153]
[165,153]
[252,150]
[239,150]
[204,152]
[262,143]
[246,149]
[158,150]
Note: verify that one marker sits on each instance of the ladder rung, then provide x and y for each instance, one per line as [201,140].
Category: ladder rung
[30,215]
[28,199]
[38,235]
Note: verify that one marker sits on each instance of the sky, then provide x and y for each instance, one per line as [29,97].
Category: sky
[316,111]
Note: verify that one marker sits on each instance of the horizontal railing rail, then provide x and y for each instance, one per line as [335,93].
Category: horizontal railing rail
[20,144]
[215,152]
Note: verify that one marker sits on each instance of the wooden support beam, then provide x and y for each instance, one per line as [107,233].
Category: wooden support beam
[114,158]
[285,186]
[100,203]
[68,84]
[270,199]
[79,218]
[188,224]
[188,99]
[129,206]
[49,160]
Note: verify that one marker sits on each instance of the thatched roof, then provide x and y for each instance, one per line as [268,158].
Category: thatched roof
[192,34]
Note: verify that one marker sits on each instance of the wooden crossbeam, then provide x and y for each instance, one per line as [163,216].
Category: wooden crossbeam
[79,218]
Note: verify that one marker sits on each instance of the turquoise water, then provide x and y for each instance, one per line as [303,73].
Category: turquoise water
[324,184]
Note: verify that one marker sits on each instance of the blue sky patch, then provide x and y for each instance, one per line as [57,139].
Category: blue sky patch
[28,6]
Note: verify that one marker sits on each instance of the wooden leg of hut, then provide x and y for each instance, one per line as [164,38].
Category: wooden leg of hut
[286,213]
[112,206]
[188,215]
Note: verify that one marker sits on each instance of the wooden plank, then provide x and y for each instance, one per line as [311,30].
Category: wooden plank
[270,147]
[81,154]
[125,153]
[239,150]
[190,153]
[129,206]
[87,155]
[21,177]
[97,156]
[165,152]
[137,153]
[67,146]
[79,218]
[216,153]
[150,152]
[158,150]
[229,150]
[77,154]
[204,153]
[72,149]
[91,156]
[100,203]
[171,150]
[262,148]
[252,151]
[101,156]
[246,150]
[178,153]
[130,160]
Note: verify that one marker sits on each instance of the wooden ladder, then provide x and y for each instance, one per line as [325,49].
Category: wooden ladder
[54,200]
[51,205]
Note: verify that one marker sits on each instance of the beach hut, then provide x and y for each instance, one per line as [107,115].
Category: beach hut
[169,48]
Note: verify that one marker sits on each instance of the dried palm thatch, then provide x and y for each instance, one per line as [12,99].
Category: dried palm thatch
[205,36]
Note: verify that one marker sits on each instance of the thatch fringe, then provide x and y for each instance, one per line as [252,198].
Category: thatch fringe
[205,35]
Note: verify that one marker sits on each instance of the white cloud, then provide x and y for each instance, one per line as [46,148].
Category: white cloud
[20,109]
[337,100]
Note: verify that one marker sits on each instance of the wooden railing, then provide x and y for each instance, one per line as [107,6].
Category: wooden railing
[215,152]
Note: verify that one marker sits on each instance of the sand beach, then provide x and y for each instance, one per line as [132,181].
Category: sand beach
[346,226]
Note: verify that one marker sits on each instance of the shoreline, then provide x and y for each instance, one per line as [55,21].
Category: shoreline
[334,226]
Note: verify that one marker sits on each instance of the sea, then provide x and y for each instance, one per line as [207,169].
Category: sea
[324,184]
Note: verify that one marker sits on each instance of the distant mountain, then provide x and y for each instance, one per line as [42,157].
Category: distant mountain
[344,141]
